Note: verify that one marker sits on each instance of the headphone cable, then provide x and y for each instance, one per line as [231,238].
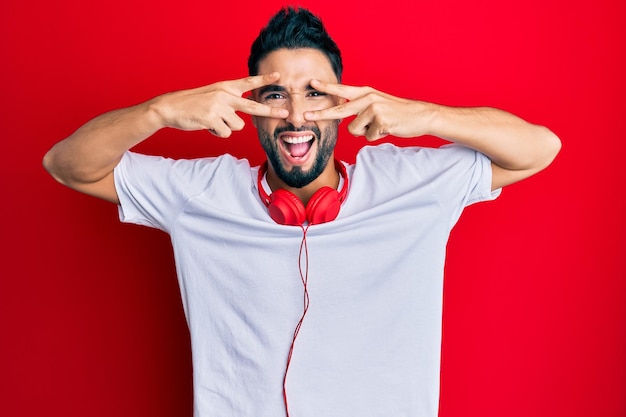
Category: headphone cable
[304,276]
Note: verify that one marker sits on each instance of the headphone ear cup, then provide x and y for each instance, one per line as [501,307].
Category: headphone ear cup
[323,206]
[287,209]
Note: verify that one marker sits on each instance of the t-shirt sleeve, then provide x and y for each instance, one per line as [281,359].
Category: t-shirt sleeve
[153,190]
[461,177]
[453,175]
[470,171]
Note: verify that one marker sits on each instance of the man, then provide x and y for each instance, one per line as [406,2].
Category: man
[357,248]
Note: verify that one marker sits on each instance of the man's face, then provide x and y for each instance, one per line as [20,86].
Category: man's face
[297,150]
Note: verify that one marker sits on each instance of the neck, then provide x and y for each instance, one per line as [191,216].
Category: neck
[328,178]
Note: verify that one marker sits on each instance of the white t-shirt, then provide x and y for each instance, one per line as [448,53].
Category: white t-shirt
[370,342]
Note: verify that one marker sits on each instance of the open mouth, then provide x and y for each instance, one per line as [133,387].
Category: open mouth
[297,146]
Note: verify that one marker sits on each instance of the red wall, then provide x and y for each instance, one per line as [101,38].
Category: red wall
[535,302]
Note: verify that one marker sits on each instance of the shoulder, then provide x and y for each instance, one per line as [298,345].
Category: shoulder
[189,176]
[393,157]
[452,169]
[156,164]
[391,150]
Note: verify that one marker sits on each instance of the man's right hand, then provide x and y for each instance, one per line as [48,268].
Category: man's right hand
[214,107]
[86,159]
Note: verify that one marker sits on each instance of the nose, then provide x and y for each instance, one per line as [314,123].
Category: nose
[296,106]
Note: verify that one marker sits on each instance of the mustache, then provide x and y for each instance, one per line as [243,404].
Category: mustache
[291,128]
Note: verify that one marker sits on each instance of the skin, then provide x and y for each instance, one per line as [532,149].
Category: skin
[517,149]
[294,93]
[309,101]
[85,160]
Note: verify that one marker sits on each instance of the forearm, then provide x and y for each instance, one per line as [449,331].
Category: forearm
[85,160]
[517,149]
[510,142]
[91,153]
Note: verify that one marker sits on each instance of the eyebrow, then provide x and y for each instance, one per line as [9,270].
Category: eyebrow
[271,88]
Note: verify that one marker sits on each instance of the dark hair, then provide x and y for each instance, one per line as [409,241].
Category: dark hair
[292,28]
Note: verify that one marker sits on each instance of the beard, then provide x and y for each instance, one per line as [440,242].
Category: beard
[297,177]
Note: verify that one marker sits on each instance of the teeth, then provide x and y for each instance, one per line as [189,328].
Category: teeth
[297,139]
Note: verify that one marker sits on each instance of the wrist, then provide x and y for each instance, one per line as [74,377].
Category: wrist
[156,113]
[431,116]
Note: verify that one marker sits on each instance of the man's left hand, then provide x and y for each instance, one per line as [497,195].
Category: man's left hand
[377,114]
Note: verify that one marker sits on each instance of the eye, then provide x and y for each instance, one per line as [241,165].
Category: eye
[316,94]
[273,96]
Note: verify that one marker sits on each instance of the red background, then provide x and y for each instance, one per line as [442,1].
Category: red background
[535,305]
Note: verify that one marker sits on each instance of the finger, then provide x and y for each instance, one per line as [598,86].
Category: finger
[363,123]
[340,111]
[242,85]
[358,100]
[378,136]
[340,90]
[370,132]
[255,108]
[234,122]
[370,125]
[375,132]
[220,129]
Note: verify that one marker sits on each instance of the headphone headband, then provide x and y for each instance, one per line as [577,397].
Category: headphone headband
[287,209]
[339,166]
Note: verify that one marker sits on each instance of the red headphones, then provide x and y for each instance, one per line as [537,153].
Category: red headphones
[287,209]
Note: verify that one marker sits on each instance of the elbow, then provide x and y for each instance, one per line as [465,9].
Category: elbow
[550,147]
[48,163]
[536,153]
[55,164]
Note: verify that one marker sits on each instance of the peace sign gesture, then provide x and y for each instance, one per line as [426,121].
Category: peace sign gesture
[85,160]
[214,107]
[377,114]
